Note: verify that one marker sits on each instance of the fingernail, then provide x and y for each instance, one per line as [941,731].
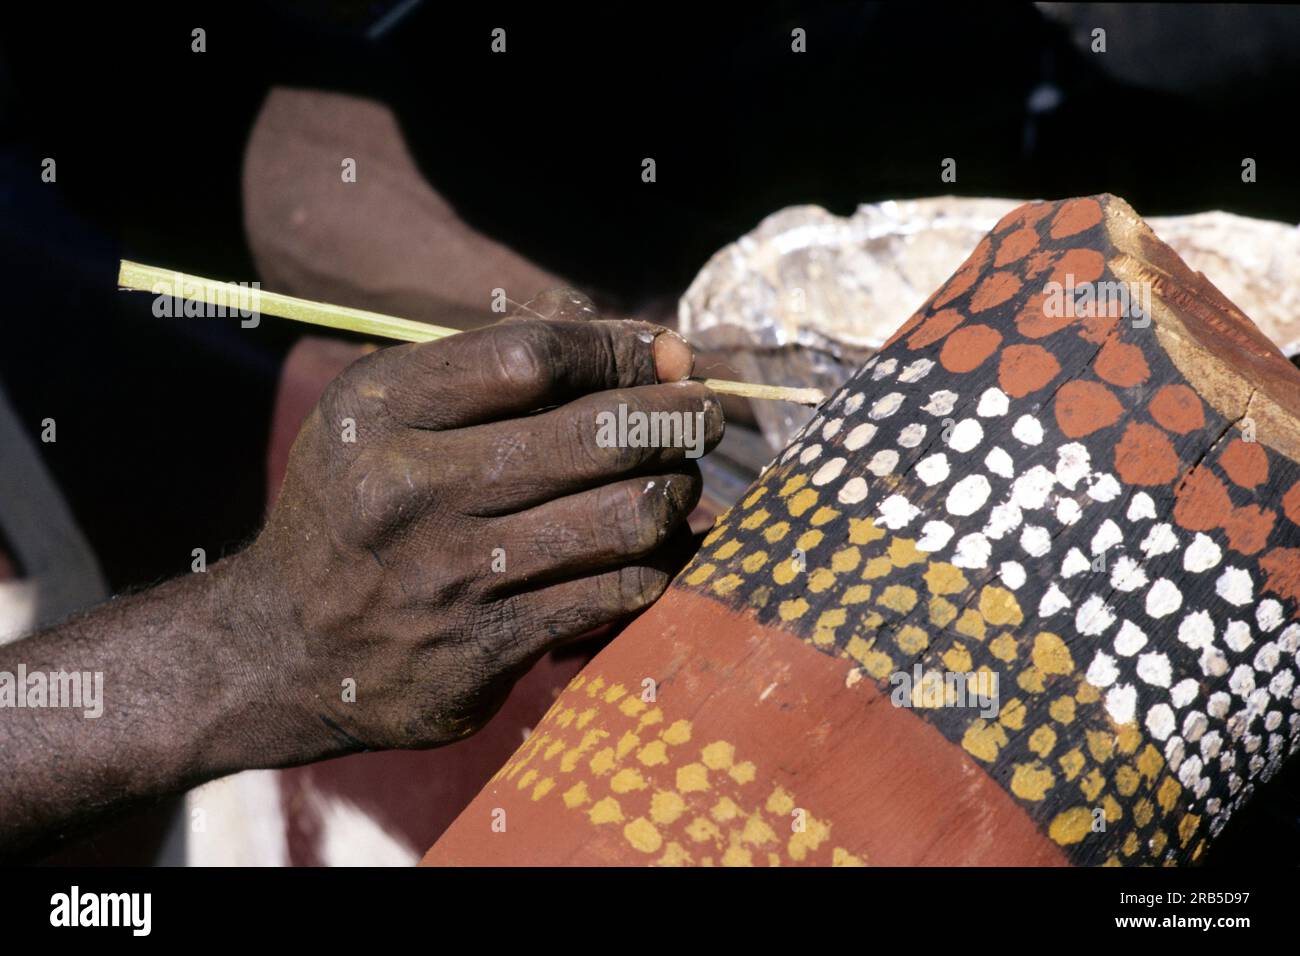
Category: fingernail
[545,304]
[714,419]
[674,359]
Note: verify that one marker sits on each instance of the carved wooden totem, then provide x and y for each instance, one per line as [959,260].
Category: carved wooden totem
[1023,591]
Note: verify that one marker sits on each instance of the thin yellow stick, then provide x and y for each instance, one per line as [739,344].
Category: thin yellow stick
[775,393]
[181,285]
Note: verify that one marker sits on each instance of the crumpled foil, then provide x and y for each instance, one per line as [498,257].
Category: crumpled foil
[807,296]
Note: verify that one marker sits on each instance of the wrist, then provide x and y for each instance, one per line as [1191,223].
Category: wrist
[259,692]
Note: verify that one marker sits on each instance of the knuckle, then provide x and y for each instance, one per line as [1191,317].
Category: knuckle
[383,487]
[641,516]
[357,393]
[629,350]
[640,445]
[632,588]
[637,400]
[564,302]
[525,357]
[589,450]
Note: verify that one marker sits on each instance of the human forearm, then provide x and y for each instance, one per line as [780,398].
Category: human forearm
[185,698]
[450,513]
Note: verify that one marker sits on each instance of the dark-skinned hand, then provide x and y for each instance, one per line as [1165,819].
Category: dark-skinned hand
[448,515]
[474,522]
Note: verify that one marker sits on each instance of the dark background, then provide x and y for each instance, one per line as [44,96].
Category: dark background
[163,425]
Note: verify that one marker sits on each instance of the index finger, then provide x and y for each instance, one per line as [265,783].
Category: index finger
[511,369]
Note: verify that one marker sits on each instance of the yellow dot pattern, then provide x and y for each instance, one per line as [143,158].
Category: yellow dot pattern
[676,799]
[860,592]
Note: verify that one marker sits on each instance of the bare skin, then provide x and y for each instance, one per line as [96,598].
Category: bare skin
[380,567]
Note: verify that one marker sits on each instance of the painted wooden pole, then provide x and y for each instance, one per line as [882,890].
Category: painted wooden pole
[1024,591]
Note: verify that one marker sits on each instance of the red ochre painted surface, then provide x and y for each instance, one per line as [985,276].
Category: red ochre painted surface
[749,726]
[1048,501]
